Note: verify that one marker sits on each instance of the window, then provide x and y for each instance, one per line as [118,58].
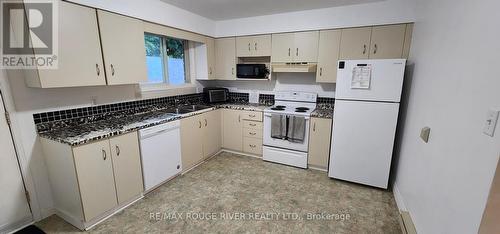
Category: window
[166,60]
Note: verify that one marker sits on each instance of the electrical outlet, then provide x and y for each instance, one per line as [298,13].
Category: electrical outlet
[491,122]
[93,100]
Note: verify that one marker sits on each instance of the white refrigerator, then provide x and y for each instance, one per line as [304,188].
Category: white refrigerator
[367,99]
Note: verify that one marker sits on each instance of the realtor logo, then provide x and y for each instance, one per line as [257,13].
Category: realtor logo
[29,34]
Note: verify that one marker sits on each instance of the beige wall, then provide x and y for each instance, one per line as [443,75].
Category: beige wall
[491,216]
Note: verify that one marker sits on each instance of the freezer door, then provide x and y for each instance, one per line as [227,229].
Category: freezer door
[362,142]
[385,83]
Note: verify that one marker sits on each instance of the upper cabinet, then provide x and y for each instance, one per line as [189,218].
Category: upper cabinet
[80,58]
[328,56]
[387,41]
[123,48]
[225,52]
[210,46]
[355,43]
[94,49]
[379,42]
[253,46]
[295,47]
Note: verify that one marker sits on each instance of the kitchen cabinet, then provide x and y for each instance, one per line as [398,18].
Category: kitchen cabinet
[79,60]
[212,134]
[387,42]
[319,142]
[328,56]
[191,142]
[126,166]
[225,64]
[253,46]
[232,130]
[210,45]
[111,167]
[200,137]
[252,135]
[408,35]
[355,43]
[94,170]
[295,47]
[378,42]
[123,49]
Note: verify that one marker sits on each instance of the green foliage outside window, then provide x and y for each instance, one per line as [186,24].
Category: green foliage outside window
[175,47]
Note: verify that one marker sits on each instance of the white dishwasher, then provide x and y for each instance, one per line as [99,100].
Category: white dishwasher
[160,153]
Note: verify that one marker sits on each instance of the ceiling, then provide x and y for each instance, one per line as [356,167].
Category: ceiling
[232,9]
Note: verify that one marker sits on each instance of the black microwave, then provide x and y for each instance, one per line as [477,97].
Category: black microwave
[252,71]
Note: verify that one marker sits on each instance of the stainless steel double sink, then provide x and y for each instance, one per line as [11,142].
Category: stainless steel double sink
[186,109]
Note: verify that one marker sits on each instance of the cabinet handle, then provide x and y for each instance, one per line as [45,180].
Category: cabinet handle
[289,52]
[210,71]
[255,46]
[104,155]
[253,146]
[112,70]
[239,118]
[314,127]
[199,122]
[253,125]
[206,122]
[297,52]
[251,116]
[320,71]
[232,70]
[252,133]
[375,49]
[248,46]
[117,151]
[364,49]
[97,69]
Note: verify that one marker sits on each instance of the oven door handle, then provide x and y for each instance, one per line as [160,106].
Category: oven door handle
[288,115]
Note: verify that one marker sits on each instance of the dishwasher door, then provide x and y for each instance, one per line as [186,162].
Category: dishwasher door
[160,153]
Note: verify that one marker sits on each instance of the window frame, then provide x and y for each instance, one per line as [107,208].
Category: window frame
[165,84]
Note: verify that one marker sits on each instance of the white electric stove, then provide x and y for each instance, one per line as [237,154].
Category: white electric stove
[285,150]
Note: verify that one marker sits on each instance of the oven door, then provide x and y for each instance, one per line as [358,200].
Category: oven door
[285,144]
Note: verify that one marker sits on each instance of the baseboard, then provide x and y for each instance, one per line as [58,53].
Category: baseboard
[241,153]
[317,168]
[14,227]
[407,226]
[399,198]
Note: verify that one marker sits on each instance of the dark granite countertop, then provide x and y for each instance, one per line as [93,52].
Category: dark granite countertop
[325,113]
[121,123]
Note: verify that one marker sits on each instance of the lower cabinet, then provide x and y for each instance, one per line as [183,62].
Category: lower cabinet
[90,181]
[232,130]
[200,137]
[319,142]
[242,131]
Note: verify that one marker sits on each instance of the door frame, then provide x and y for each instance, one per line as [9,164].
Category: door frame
[15,132]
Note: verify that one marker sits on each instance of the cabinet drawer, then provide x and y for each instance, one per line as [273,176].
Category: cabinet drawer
[252,145]
[252,124]
[252,115]
[254,133]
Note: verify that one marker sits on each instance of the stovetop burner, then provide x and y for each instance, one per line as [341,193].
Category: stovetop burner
[280,107]
[301,109]
[277,108]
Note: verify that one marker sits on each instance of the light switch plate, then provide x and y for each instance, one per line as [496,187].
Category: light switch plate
[424,134]
[491,122]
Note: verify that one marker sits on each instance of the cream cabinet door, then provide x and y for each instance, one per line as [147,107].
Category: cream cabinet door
[261,45]
[126,166]
[387,42]
[94,170]
[211,58]
[212,132]
[123,48]
[328,56]
[244,46]
[319,142]
[225,53]
[232,130]
[80,57]
[282,46]
[306,46]
[191,142]
[355,43]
